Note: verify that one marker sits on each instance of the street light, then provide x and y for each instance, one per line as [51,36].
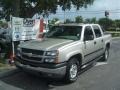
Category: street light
[107,16]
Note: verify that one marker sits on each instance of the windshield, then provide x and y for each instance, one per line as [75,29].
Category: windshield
[65,32]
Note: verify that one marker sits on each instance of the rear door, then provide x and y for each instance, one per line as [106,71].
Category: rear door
[99,40]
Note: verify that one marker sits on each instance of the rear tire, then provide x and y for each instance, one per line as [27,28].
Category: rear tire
[72,70]
[105,55]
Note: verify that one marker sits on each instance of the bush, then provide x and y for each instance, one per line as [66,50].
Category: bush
[3,25]
[2,60]
[115,34]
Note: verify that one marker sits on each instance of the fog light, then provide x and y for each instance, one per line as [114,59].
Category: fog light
[49,60]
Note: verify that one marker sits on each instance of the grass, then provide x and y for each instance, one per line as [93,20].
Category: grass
[2,60]
[2,65]
[115,33]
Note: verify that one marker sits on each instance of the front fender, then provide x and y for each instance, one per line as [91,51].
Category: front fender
[71,54]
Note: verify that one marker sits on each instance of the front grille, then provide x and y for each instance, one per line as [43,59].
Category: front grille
[35,52]
[34,64]
[38,59]
[32,55]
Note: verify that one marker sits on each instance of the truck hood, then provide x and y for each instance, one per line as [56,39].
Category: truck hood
[46,44]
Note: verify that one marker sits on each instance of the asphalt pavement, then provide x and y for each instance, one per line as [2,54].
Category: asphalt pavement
[102,76]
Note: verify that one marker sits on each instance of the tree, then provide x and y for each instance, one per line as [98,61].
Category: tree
[10,8]
[117,23]
[105,22]
[87,20]
[1,14]
[27,8]
[93,20]
[78,19]
[53,21]
[68,21]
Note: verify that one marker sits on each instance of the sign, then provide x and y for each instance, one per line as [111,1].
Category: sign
[28,22]
[17,23]
[24,29]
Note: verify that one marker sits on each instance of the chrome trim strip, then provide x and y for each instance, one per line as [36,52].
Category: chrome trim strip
[32,60]
[38,56]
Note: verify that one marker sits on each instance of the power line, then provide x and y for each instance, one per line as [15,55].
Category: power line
[96,11]
[60,13]
[114,12]
[84,13]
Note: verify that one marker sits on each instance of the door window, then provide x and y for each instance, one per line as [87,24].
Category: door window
[88,34]
[97,31]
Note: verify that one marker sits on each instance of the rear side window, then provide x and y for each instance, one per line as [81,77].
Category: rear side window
[97,31]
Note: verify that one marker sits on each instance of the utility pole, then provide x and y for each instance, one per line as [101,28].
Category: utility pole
[64,10]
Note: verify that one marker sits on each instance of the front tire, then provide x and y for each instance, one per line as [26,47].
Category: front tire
[72,70]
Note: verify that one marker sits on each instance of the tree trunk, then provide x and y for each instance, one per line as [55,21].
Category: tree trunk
[16,12]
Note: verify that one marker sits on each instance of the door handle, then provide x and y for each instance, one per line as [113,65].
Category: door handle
[102,40]
[95,42]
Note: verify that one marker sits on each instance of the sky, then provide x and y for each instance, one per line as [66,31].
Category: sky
[97,10]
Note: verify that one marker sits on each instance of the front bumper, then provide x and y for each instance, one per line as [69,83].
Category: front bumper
[55,71]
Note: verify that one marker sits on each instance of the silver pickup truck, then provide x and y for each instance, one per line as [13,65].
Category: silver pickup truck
[65,49]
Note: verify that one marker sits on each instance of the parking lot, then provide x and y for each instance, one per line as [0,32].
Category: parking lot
[103,76]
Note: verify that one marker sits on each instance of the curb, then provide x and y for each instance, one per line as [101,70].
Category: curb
[8,72]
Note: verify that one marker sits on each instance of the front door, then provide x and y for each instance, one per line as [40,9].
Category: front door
[89,45]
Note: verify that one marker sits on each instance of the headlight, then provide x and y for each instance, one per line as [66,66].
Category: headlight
[52,57]
[51,53]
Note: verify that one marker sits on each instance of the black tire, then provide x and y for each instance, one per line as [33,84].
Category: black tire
[71,76]
[105,55]
[0,48]
[2,51]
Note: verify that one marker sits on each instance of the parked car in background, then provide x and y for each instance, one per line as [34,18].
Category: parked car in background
[5,40]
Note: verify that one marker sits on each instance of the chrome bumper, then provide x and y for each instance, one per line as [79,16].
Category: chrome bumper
[57,72]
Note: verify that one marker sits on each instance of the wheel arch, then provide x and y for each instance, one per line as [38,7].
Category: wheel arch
[78,56]
[108,45]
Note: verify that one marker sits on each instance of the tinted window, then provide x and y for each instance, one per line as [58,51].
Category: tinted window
[88,34]
[97,31]
[65,32]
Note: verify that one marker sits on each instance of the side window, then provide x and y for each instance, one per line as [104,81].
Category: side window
[88,34]
[97,31]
